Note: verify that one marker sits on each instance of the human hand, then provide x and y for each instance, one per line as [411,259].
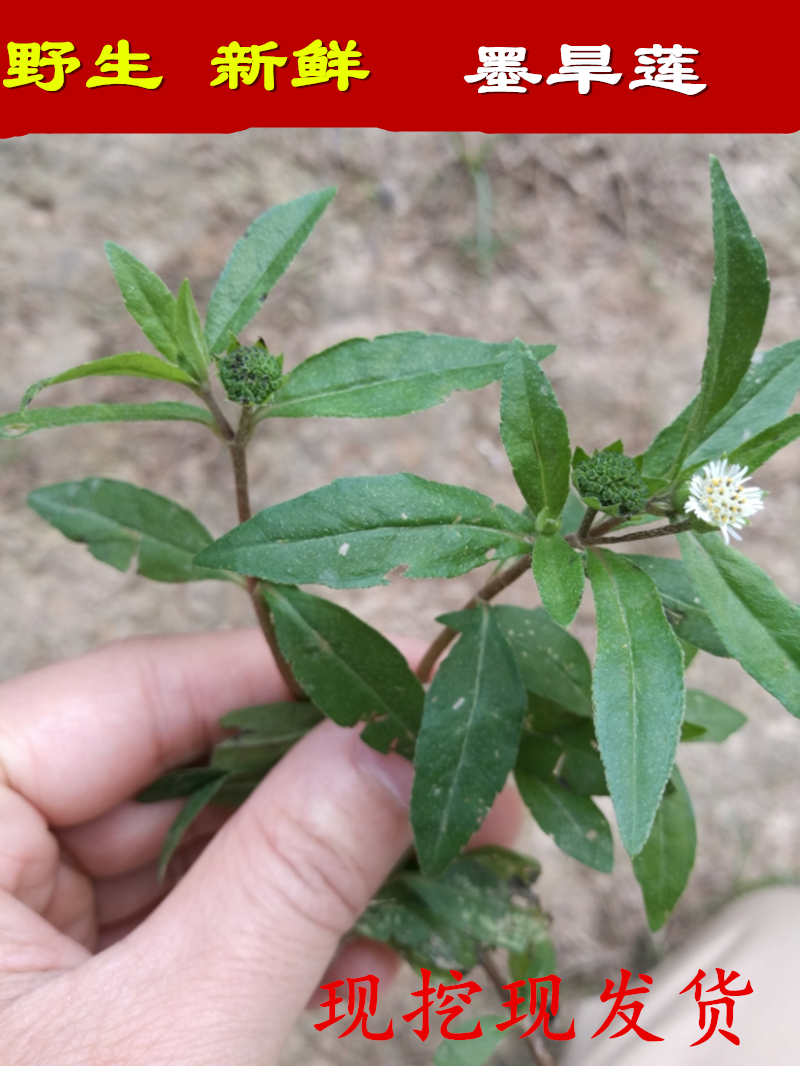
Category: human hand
[98,962]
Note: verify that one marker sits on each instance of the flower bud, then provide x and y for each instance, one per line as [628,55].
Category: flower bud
[250,375]
[546,525]
[613,480]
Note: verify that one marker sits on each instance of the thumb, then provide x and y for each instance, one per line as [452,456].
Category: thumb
[234,952]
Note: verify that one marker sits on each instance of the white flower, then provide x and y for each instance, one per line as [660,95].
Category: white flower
[717,497]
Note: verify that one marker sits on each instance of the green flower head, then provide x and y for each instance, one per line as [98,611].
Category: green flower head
[250,375]
[613,481]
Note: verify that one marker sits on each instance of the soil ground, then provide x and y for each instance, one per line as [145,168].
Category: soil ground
[600,244]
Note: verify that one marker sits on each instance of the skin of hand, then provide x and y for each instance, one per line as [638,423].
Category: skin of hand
[101,965]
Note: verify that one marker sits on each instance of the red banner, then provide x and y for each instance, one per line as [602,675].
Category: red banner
[513,67]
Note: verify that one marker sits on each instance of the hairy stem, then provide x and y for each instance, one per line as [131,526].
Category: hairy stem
[586,524]
[254,588]
[606,526]
[495,585]
[435,649]
[501,580]
[237,441]
[238,450]
[645,534]
[209,399]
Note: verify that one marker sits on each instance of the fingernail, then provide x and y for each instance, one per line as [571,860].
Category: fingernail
[391,771]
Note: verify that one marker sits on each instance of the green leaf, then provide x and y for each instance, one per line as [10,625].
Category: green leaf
[248,754]
[578,734]
[545,716]
[573,513]
[580,456]
[579,768]
[538,754]
[277,721]
[238,786]
[558,570]
[484,898]
[739,301]
[551,662]
[399,917]
[663,865]
[756,451]
[468,741]
[659,458]
[257,261]
[21,423]
[582,772]
[147,298]
[175,784]
[759,625]
[116,519]
[193,353]
[128,364]
[715,719]
[349,534]
[535,435]
[390,375]
[638,692]
[681,604]
[239,766]
[762,399]
[487,893]
[267,732]
[689,652]
[576,824]
[193,806]
[477,1050]
[351,672]
[689,732]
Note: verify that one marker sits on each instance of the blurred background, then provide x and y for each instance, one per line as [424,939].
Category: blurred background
[599,244]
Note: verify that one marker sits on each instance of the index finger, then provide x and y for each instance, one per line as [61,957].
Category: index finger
[80,736]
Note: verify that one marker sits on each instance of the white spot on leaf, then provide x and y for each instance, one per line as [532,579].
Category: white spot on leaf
[345,548]
[458,703]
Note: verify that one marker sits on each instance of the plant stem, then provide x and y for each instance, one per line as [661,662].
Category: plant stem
[495,585]
[646,534]
[254,588]
[504,578]
[209,399]
[238,450]
[537,1052]
[606,526]
[586,525]
[435,649]
[237,441]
